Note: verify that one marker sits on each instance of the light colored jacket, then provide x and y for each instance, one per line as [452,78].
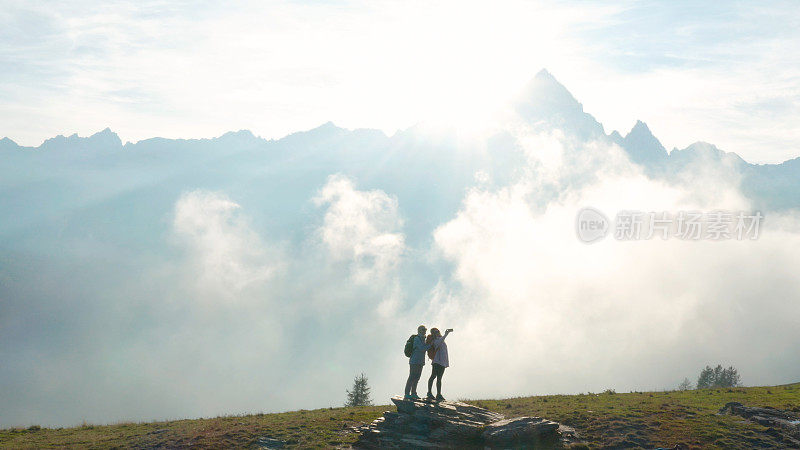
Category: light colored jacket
[418,354]
[441,352]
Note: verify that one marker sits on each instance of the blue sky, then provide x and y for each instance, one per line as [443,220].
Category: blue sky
[722,72]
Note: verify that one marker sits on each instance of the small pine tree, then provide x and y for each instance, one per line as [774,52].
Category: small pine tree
[359,396]
[685,385]
[706,378]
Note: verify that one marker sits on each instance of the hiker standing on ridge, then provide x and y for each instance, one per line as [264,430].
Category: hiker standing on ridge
[415,350]
[438,355]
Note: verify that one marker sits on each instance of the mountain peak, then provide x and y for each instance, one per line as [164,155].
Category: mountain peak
[703,146]
[544,74]
[240,133]
[106,137]
[102,140]
[8,143]
[617,138]
[327,127]
[641,132]
[241,138]
[642,146]
[545,100]
[704,151]
[545,87]
[640,127]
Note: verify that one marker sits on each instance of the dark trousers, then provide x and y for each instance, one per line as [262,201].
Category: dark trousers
[437,373]
[414,372]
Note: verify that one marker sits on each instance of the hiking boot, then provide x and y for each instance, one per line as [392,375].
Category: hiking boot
[430,397]
[439,398]
[407,397]
[415,397]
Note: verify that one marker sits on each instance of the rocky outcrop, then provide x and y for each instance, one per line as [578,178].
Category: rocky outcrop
[420,424]
[781,424]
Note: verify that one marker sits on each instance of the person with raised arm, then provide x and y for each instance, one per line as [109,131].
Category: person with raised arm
[440,361]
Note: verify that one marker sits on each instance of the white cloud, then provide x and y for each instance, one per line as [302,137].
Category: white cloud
[559,316]
[362,228]
[226,255]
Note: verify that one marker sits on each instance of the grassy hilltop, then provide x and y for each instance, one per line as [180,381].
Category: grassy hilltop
[640,419]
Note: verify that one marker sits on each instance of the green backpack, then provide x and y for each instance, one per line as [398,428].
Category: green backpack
[409,349]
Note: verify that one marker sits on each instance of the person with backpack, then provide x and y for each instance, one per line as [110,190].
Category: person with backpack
[415,351]
[439,358]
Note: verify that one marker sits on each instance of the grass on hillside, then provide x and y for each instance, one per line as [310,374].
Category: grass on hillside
[658,419]
[646,419]
[326,427]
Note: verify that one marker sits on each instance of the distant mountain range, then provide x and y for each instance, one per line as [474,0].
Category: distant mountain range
[372,156]
[120,193]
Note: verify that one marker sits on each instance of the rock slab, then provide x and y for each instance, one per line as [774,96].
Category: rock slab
[784,425]
[521,431]
[421,424]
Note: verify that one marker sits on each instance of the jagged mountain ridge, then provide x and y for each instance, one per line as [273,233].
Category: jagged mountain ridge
[545,104]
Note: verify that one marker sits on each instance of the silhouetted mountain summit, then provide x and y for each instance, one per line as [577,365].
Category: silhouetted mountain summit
[642,146]
[547,103]
[8,144]
[709,153]
[102,140]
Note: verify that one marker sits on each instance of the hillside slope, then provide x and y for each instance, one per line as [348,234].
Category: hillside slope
[639,419]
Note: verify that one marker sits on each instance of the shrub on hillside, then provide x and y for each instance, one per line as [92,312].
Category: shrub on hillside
[359,396]
[718,377]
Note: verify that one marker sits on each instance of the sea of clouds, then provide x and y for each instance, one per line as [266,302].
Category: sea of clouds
[232,314]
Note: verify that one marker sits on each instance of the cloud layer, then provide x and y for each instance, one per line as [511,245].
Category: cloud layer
[555,313]
[219,309]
